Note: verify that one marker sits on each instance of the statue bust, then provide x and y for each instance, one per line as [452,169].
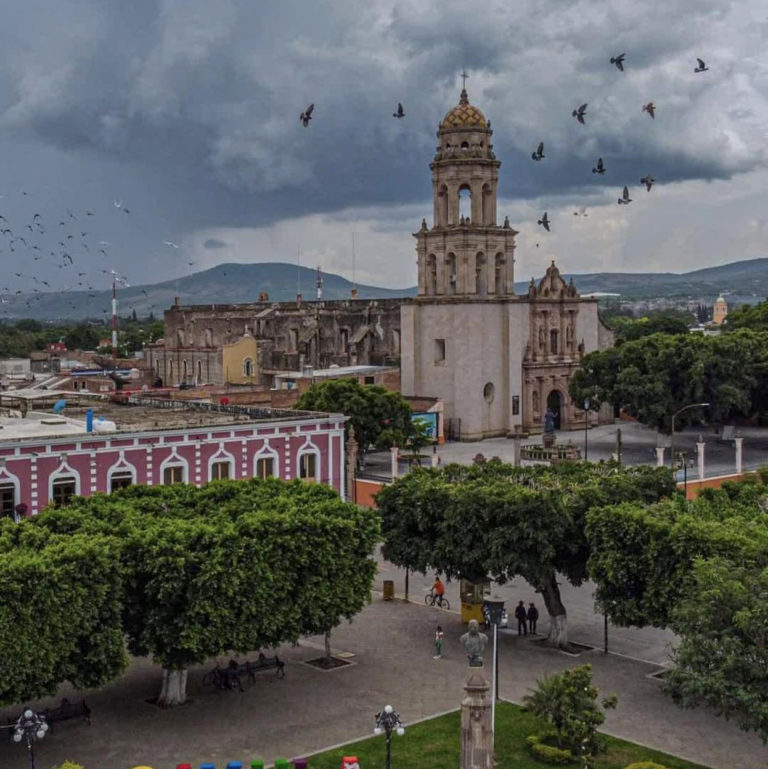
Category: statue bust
[474,643]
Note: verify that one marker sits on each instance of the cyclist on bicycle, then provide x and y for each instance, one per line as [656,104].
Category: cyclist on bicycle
[438,589]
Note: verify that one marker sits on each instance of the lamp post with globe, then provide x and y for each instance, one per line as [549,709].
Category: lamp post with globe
[30,727]
[388,721]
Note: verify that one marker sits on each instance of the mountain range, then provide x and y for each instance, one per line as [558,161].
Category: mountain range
[743,281]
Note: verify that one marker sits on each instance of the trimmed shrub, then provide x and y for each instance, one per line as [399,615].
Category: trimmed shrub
[69,765]
[548,754]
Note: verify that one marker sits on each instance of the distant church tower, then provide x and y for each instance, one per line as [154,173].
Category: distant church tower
[719,311]
[465,254]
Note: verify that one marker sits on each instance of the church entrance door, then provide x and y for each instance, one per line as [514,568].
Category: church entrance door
[554,404]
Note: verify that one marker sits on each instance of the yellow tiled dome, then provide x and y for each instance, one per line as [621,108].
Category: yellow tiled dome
[464,115]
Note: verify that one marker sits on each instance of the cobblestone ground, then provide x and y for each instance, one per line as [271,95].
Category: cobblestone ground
[311,709]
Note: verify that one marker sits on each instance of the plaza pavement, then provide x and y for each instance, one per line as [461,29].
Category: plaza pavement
[311,709]
[638,447]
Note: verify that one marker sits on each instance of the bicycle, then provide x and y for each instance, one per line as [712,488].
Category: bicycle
[432,599]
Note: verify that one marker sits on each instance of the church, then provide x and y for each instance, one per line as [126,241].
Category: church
[498,360]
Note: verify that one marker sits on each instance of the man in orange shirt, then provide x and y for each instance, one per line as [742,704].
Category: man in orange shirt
[438,589]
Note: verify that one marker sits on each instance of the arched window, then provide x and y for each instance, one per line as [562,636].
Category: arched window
[465,146]
[63,485]
[170,372]
[465,202]
[308,462]
[248,367]
[184,371]
[199,372]
[174,470]
[553,341]
[442,206]
[265,463]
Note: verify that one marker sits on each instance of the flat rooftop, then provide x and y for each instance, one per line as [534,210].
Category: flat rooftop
[335,372]
[138,415]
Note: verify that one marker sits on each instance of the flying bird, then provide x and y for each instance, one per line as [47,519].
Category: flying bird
[539,153]
[306,116]
[400,112]
[544,222]
[625,199]
[580,114]
[648,182]
[118,203]
[618,61]
[702,66]
[600,169]
[581,212]
[170,243]
[89,213]
[650,108]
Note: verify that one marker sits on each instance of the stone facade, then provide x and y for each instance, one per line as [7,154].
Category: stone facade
[496,359]
[246,343]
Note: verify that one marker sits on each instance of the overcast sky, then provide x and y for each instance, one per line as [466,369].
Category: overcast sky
[186,114]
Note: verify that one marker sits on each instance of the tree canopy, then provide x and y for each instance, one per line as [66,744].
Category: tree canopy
[499,520]
[652,377]
[753,316]
[380,417]
[700,568]
[233,566]
[627,328]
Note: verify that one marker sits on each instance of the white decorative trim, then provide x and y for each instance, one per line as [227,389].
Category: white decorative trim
[267,451]
[8,477]
[222,455]
[63,471]
[174,460]
[121,466]
[309,448]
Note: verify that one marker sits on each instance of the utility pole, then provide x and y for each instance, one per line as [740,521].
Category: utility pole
[618,446]
[114,322]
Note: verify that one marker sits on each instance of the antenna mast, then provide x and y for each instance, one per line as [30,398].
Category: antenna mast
[319,284]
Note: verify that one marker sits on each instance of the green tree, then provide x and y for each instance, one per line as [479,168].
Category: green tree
[233,566]
[754,317]
[59,611]
[499,520]
[568,701]
[380,417]
[81,337]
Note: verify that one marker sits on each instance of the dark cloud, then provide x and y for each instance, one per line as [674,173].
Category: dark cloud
[190,110]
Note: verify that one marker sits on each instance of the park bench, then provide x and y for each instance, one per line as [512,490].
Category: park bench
[231,676]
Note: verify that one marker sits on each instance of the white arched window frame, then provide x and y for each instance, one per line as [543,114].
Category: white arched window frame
[61,473]
[248,367]
[9,479]
[266,452]
[303,470]
[121,468]
[175,461]
[222,455]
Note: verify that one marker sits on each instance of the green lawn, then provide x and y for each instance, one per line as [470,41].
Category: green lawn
[434,744]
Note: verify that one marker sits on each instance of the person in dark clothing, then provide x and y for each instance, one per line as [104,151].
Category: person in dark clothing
[521,616]
[533,616]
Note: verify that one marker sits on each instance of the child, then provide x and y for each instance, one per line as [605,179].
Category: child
[438,643]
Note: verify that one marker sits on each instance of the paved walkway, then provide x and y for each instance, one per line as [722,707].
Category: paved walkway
[310,709]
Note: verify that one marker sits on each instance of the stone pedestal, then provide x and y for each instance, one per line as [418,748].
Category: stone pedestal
[548,439]
[476,723]
[659,456]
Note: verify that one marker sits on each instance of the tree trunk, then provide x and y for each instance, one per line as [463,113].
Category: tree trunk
[328,645]
[174,691]
[558,631]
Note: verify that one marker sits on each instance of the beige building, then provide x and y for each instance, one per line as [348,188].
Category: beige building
[496,359]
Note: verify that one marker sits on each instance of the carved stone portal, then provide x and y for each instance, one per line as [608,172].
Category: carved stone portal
[476,724]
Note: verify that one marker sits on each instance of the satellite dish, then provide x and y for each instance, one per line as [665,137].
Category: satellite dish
[59,406]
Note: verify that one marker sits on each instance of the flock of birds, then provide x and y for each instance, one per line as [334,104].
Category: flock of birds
[580,113]
[62,239]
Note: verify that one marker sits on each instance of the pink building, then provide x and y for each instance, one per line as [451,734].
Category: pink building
[46,456]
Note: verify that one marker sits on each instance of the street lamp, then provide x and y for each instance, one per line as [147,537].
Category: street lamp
[672,434]
[30,726]
[388,721]
[495,611]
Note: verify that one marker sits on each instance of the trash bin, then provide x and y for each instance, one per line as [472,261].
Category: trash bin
[389,589]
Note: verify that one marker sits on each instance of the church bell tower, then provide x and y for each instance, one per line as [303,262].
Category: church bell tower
[465,254]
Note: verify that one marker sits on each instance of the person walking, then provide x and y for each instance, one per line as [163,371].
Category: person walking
[533,616]
[521,616]
[438,643]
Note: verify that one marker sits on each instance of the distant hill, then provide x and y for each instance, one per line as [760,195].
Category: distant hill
[744,281]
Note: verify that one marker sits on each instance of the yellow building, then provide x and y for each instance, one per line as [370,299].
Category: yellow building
[239,361]
[719,311]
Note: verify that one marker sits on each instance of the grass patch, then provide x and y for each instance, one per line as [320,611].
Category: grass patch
[435,744]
